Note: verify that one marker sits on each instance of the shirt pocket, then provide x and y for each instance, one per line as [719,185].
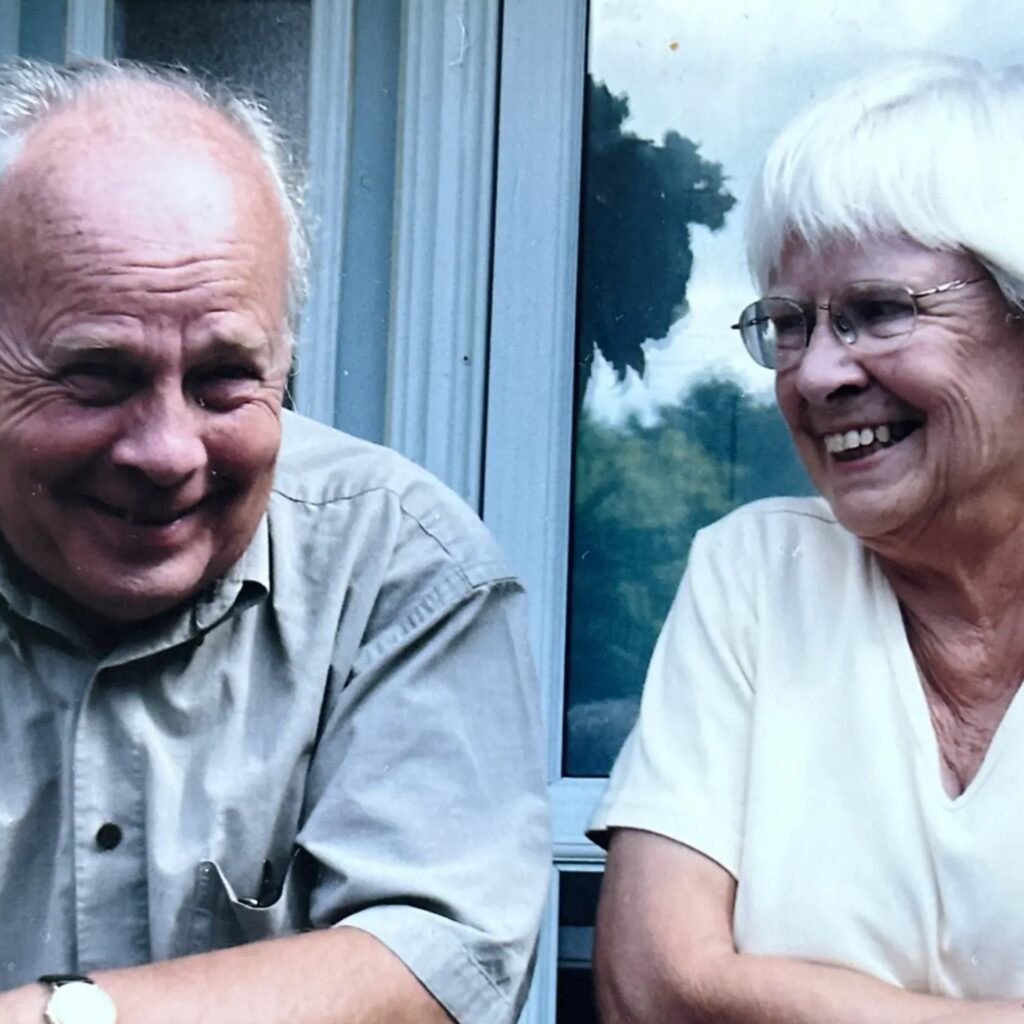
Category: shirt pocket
[221,918]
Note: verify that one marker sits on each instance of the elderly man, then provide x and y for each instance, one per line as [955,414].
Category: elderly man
[258,680]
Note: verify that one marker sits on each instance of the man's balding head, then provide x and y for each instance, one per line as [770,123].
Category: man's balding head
[136,160]
[34,92]
[143,345]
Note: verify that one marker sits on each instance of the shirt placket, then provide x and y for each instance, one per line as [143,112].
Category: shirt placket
[108,795]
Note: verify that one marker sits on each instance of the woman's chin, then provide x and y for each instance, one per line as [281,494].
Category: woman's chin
[876,516]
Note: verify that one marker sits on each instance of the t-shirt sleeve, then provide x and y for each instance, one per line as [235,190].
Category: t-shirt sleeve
[682,772]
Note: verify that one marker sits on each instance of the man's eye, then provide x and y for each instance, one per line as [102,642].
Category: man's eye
[223,386]
[97,383]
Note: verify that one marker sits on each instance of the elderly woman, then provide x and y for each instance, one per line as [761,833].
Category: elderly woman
[819,816]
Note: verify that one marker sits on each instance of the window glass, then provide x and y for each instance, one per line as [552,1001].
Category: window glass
[675,425]
[261,45]
[577,909]
[41,26]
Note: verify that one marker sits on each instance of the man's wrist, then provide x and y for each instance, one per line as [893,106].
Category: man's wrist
[24,1005]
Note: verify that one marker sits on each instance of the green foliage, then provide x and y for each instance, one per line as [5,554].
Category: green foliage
[744,436]
[639,200]
[642,492]
[640,495]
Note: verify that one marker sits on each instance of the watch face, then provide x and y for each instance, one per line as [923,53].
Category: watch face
[79,1002]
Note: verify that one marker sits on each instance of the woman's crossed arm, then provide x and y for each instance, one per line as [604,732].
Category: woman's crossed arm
[665,955]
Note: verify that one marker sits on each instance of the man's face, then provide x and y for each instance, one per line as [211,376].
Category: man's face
[142,358]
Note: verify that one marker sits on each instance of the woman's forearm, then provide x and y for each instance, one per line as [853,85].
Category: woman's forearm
[665,954]
[745,989]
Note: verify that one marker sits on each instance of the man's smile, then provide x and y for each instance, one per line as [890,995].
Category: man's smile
[152,515]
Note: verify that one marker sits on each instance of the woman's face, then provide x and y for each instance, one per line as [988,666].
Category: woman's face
[949,399]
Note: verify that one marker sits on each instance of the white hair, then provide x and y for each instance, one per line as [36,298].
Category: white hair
[928,148]
[31,91]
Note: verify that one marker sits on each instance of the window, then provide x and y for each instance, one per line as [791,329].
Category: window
[229,41]
[673,424]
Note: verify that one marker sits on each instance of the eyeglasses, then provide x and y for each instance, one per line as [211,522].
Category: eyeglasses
[874,315]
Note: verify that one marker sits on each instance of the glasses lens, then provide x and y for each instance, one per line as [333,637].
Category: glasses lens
[774,331]
[876,311]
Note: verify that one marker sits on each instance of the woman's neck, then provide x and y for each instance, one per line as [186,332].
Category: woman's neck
[963,610]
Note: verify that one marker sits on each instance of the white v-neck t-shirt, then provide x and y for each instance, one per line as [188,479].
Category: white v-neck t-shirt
[784,733]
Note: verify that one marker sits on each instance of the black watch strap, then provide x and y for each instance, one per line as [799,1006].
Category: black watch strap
[63,979]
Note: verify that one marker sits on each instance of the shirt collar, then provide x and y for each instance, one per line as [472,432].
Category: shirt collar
[246,583]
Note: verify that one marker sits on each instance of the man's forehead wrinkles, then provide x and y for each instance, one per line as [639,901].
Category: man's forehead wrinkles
[183,285]
[54,254]
[101,271]
[144,253]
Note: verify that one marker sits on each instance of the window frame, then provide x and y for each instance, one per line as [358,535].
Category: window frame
[87,31]
[528,472]
[527,482]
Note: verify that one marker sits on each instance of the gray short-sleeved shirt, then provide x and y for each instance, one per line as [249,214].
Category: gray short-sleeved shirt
[343,730]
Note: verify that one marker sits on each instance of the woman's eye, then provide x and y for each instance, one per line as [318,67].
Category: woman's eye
[882,311]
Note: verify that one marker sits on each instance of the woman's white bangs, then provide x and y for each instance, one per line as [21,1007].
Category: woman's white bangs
[849,188]
[930,152]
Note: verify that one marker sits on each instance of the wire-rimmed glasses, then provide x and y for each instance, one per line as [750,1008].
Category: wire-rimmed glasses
[871,314]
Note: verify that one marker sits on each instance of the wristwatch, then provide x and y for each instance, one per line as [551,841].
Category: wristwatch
[77,999]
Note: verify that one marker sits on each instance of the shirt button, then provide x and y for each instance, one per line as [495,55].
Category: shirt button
[108,836]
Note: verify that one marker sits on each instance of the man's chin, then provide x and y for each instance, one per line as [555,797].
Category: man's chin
[118,598]
[99,584]
[112,611]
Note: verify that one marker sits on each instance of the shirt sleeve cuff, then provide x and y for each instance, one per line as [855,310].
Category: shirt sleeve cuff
[428,946]
[706,837]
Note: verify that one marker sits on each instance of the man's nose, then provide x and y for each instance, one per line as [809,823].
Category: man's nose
[162,438]
[828,363]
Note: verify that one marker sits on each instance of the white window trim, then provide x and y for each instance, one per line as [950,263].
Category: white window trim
[540,1005]
[528,457]
[441,279]
[533,315]
[88,29]
[330,127]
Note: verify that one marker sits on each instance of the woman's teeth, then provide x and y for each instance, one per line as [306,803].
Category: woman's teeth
[882,436]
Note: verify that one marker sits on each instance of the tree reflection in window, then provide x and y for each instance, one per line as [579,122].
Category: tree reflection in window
[641,491]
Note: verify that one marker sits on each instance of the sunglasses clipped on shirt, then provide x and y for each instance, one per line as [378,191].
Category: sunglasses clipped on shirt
[875,316]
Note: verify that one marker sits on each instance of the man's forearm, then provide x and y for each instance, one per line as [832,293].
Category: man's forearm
[338,976]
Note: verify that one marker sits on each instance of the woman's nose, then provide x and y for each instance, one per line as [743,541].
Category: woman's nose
[828,362]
